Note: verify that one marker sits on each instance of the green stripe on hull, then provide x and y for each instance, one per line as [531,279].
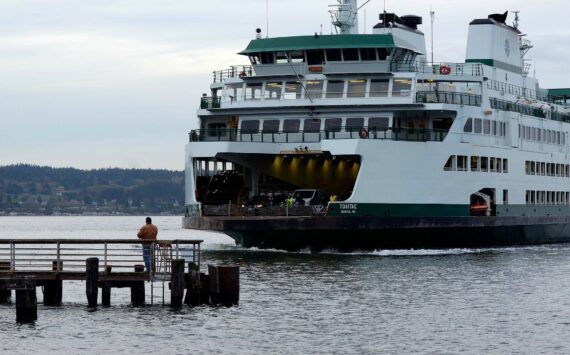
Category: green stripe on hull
[396,210]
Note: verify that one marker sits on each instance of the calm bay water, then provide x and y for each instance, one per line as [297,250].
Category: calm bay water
[514,300]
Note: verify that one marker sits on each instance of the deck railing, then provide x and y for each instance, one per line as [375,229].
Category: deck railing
[237,210]
[458,69]
[308,136]
[69,255]
[235,71]
[448,97]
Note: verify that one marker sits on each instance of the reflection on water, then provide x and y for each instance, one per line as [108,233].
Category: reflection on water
[513,300]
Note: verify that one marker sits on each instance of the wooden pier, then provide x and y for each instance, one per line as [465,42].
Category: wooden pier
[107,264]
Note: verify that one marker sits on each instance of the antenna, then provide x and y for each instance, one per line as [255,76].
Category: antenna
[266,18]
[432,14]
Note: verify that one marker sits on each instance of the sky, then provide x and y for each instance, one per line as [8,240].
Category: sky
[116,83]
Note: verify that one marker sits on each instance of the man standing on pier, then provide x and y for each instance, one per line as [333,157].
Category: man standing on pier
[148,232]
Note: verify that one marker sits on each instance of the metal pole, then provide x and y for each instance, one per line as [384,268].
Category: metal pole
[432,14]
[58,267]
[12,257]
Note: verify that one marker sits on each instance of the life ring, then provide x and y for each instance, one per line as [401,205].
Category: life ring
[363,133]
[242,74]
[444,70]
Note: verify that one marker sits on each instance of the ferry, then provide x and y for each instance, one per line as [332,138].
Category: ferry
[351,141]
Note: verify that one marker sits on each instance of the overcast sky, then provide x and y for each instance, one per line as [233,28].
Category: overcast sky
[116,83]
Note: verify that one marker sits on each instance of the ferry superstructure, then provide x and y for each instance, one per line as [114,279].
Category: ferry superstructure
[408,153]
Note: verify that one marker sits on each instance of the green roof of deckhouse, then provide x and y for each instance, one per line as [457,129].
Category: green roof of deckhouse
[559,92]
[319,42]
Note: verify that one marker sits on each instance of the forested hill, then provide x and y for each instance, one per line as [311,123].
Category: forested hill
[30,189]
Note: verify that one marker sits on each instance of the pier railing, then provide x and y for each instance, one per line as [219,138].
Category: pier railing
[69,255]
[315,136]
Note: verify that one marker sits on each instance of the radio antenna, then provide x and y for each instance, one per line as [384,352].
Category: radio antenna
[432,14]
[266,18]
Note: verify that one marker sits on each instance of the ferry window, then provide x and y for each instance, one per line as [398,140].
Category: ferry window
[281,58]
[267,58]
[350,54]
[402,87]
[567,170]
[234,92]
[217,130]
[335,89]
[291,126]
[478,128]
[484,164]
[255,59]
[494,128]
[474,163]
[382,53]
[468,127]
[486,127]
[271,126]
[333,124]
[273,90]
[293,90]
[492,165]
[315,57]
[527,197]
[542,135]
[499,167]
[250,126]
[549,136]
[543,169]
[314,88]
[527,167]
[368,53]
[449,164]
[312,125]
[557,137]
[297,56]
[356,88]
[379,88]
[505,197]
[461,163]
[253,91]
[378,123]
[354,123]
[333,55]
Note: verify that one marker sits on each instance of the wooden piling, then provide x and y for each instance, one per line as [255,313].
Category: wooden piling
[106,290]
[53,289]
[92,281]
[26,301]
[204,289]
[224,285]
[228,277]
[137,290]
[214,285]
[5,295]
[192,285]
[177,283]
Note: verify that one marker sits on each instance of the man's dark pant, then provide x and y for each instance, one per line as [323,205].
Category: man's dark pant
[146,257]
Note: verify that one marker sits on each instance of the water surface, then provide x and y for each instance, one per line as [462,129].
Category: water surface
[514,300]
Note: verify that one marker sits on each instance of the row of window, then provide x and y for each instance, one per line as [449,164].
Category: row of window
[476,164]
[547,197]
[317,89]
[320,56]
[535,134]
[546,169]
[485,126]
[310,125]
